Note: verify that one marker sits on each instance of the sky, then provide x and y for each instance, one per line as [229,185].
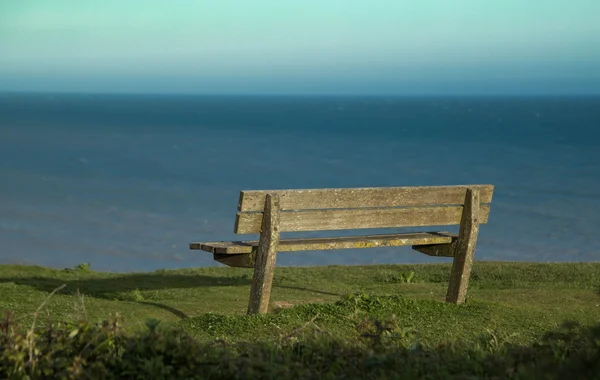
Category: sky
[367,47]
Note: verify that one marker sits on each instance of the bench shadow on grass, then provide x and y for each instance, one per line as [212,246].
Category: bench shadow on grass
[128,287]
[176,312]
[307,290]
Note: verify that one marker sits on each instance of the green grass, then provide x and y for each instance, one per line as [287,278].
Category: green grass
[517,302]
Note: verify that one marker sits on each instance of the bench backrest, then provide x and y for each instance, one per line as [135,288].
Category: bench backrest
[361,208]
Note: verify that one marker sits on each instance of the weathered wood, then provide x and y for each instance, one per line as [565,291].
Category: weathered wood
[266,256]
[465,249]
[240,260]
[226,247]
[254,200]
[272,212]
[223,249]
[349,219]
[439,250]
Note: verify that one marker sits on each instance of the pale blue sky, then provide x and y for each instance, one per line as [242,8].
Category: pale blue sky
[301,46]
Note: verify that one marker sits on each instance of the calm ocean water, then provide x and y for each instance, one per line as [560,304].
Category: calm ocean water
[125,182]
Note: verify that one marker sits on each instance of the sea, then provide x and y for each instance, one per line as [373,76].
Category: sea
[126,182]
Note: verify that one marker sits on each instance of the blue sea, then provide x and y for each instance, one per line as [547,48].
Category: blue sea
[125,182]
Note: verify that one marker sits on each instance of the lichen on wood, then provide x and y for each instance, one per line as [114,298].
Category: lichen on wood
[266,256]
[465,249]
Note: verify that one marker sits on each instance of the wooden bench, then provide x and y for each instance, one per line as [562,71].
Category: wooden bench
[270,212]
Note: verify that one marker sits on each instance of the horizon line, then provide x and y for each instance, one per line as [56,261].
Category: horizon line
[299,94]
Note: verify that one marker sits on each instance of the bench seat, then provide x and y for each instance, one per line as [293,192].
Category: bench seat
[345,242]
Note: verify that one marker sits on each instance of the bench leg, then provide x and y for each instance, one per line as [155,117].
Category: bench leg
[266,255]
[465,249]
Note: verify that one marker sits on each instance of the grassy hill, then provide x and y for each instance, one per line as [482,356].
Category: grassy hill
[522,300]
[325,322]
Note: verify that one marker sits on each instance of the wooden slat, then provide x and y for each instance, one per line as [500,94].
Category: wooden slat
[254,200]
[349,219]
[317,244]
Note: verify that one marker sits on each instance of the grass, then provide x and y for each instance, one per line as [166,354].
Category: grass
[518,302]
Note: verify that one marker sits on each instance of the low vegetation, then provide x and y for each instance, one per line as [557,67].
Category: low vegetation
[521,320]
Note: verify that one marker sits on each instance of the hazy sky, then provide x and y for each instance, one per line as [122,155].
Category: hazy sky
[301,46]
